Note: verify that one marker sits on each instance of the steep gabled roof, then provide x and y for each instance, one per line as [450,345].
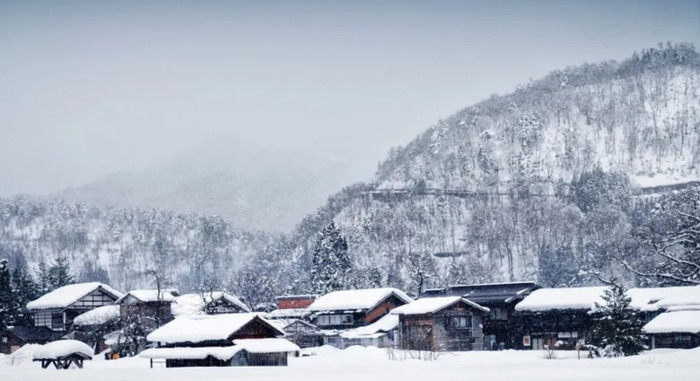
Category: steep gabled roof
[199,328]
[145,296]
[432,305]
[67,295]
[350,300]
[488,292]
[193,304]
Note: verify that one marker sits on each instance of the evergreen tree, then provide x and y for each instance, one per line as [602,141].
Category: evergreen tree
[59,274]
[331,263]
[7,303]
[618,327]
[25,290]
[44,285]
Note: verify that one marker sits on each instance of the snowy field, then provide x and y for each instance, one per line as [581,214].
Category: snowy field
[366,364]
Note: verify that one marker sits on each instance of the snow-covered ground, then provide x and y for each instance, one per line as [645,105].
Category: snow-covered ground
[357,363]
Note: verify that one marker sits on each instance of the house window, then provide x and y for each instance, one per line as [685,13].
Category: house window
[42,319]
[460,322]
[325,320]
[498,314]
[57,321]
[4,339]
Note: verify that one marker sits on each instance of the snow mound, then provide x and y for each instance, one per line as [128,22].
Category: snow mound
[62,348]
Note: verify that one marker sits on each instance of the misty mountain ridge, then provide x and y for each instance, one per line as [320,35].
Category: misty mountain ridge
[515,157]
[254,188]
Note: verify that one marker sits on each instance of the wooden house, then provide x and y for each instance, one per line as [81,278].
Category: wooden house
[292,307]
[340,311]
[563,317]
[500,299]
[348,309]
[91,326]
[677,328]
[448,323]
[148,308]
[300,332]
[243,339]
[57,309]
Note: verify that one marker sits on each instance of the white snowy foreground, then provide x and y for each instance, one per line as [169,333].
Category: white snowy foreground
[358,363]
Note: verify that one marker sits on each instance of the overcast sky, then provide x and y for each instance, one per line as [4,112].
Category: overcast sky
[89,88]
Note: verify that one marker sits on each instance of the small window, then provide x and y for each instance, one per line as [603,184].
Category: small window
[4,339]
[459,321]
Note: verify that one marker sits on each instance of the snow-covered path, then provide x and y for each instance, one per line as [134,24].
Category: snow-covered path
[371,363]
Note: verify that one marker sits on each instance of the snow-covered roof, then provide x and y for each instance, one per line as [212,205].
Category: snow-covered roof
[268,345]
[99,315]
[198,328]
[192,304]
[673,297]
[356,299]
[165,295]
[431,305]
[65,296]
[288,313]
[387,323]
[221,353]
[62,348]
[584,298]
[675,322]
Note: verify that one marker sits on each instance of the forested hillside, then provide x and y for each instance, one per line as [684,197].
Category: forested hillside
[539,184]
[542,184]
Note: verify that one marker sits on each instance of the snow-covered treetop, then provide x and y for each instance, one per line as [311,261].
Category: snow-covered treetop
[198,328]
[356,299]
[193,304]
[165,295]
[67,295]
[61,348]
[431,305]
[675,322]
[585,298]
[99,315]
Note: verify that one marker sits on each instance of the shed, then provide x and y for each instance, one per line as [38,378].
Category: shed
[675,329]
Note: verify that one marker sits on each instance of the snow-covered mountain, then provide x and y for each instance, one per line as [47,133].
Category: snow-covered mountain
[254,188]
[484,195]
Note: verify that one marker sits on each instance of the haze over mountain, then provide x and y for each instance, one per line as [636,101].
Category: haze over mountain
[254,188]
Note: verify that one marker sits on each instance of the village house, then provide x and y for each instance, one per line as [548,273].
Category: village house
[57,309]
[292,307]
[679,327]
[148,308]
[500,299]
[563,317]
[13,338]
[243,339]
[340,311]
[447,323]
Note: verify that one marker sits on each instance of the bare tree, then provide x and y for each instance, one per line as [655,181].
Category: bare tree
[673,236]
